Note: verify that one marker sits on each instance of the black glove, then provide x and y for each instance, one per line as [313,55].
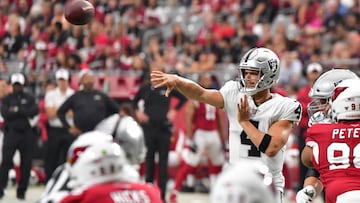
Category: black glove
[192,146]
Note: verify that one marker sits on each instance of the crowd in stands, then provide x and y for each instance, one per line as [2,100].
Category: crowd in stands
[185,36]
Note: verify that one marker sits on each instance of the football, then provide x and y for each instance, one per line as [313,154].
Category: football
[79,12]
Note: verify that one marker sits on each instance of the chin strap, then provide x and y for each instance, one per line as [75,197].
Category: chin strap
[113,134]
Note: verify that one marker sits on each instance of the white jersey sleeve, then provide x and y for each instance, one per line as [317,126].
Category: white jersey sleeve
[230,92]
[291,110]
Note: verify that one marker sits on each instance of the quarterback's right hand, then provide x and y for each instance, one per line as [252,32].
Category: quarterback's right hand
[160,79]
[306,194]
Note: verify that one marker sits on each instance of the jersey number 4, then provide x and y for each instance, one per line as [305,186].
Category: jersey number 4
[253,151]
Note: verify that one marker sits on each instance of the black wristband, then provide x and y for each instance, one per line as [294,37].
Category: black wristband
[265,142]
[312,173]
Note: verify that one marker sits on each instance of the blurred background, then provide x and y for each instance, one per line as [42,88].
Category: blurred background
[128,38]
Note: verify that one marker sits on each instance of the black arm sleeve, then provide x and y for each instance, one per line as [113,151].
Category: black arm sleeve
[111,106]
[181,97]
[65,107]
[312,173]
[31,109]
[137,97]
[5,109]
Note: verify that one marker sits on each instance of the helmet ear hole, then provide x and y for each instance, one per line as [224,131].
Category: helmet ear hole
[346,105]
[99,164]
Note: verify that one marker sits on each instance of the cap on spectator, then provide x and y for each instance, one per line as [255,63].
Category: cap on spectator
[154,19]
[40,45]
[313,67]
[17,78]
[62,74]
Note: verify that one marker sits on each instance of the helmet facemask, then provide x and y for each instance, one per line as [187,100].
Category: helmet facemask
[318,109]
[249,84]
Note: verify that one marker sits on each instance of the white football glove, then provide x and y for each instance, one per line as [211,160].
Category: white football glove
[306,194]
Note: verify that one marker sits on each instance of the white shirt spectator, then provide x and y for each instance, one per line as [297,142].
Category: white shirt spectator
[158,12]
[55,98]
[291,70]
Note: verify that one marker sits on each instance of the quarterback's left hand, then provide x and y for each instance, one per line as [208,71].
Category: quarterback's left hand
[243,109]
[225,149]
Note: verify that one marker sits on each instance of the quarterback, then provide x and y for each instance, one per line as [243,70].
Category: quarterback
[260,122]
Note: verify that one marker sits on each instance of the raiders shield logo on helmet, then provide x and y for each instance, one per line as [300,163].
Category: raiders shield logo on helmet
[273,64]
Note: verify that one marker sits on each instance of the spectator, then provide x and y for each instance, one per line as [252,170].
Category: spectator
[58,34]
[291,70]
[14,41]
[76,38]
[58,12]
[43,117]
[155,11]
[59,139]
[154,114]
[178,37]
[152,30]
[4,90]
[17,109]
[88,105]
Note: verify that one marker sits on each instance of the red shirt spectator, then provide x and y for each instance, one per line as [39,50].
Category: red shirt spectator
[313,71]
[304,99]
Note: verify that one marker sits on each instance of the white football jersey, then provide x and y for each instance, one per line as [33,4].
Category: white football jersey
[262,117]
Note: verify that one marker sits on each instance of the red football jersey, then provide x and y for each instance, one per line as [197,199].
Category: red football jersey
[205,116]
[117,193]
[303,97]
[336,156]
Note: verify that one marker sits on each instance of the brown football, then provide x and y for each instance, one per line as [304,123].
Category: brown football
[79,12]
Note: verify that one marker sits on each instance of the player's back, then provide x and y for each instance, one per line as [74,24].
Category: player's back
[205,116]
[117,192]
[336,155]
